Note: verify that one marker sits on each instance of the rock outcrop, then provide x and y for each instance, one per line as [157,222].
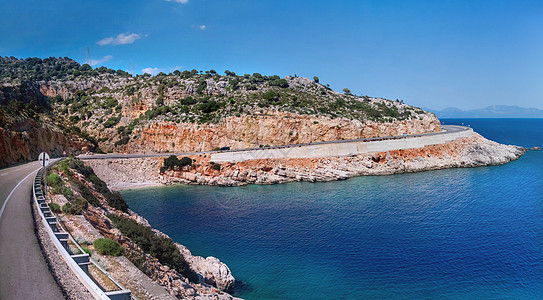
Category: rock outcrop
[270,128]
[471,151]
[28,139]
[212,270]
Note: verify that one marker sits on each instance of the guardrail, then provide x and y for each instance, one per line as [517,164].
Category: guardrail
[78,263]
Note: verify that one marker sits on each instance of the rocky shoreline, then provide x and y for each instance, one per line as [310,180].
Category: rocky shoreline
[150,279]
[472,151]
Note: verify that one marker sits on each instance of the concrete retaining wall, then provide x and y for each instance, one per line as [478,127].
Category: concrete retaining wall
[343,148]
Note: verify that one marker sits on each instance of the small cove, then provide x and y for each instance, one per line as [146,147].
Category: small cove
[455,233]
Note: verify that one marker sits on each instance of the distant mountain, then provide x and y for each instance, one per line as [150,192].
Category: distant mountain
[493,111]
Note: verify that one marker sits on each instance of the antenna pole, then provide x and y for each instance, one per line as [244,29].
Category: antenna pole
[88,61]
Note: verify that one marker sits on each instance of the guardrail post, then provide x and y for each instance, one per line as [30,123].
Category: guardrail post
[83,261]
[62,238]
[52,221]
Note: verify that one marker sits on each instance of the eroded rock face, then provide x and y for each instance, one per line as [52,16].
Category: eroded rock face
[272,128]
[28,139]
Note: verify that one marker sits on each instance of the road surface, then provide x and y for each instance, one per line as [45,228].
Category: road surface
[446,129]
[23,271]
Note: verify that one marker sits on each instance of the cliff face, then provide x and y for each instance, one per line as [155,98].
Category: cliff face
[271,128]
[25,141]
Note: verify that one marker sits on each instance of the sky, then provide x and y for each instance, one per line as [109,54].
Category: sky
[431,54]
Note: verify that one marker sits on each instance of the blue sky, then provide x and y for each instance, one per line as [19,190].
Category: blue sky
[435,54]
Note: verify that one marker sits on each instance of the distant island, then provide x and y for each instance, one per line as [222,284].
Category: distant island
[493,111]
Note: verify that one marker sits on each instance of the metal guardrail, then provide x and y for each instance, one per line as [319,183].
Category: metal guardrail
[78,263]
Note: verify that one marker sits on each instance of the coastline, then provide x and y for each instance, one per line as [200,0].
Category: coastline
[121,186]
[471,151]
[147,276]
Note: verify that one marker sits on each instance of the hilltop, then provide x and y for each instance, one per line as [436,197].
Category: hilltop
[80,108]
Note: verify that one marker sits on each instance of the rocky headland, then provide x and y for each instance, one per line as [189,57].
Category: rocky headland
[471,151]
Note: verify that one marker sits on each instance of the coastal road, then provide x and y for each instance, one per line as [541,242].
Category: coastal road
[23,271]
[446,129]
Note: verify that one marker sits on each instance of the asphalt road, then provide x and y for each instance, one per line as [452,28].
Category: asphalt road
[446,129]
[23,271]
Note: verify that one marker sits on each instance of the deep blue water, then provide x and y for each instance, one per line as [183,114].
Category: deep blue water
[446,234]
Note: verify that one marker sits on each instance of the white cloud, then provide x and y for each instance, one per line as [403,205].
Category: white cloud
[121,39]
[179,1]
[152,71]
[94,62]
[203,27]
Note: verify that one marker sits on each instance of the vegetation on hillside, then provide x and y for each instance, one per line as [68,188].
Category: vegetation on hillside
[78,201]
[160,247]
[101,104]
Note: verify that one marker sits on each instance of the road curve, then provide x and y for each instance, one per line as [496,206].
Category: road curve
[23,271]
[446,129]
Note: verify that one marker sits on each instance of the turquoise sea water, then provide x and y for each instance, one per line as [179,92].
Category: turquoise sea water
[474,233]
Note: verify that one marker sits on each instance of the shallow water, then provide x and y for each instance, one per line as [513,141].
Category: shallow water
[448,234]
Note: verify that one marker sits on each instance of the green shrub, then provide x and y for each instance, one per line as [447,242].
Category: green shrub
[75,207]
[87,193]
[112,121]
[185,161]
[58,190]
[116,200]
[68,193]
[54,180]
[161,248]
[79,166]
[279,82]
[216,167]
[63,166]
[187,101]
[67,208]
[54,207]
[108,247]
[171,161]
[123,141]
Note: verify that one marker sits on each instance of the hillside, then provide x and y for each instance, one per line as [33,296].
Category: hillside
[86,109]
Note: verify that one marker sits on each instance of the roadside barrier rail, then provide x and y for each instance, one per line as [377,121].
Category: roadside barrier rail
[78,263]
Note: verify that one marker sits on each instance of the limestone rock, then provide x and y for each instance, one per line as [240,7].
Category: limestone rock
[212,270]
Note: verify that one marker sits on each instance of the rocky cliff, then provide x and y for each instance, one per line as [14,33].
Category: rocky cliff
[189,110]
[27,139]
[270,128]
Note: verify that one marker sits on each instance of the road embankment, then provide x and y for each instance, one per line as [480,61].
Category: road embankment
[315,162]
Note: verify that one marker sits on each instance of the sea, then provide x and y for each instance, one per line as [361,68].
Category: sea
[464,233]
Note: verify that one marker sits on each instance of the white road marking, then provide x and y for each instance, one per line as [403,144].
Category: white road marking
[7,199]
